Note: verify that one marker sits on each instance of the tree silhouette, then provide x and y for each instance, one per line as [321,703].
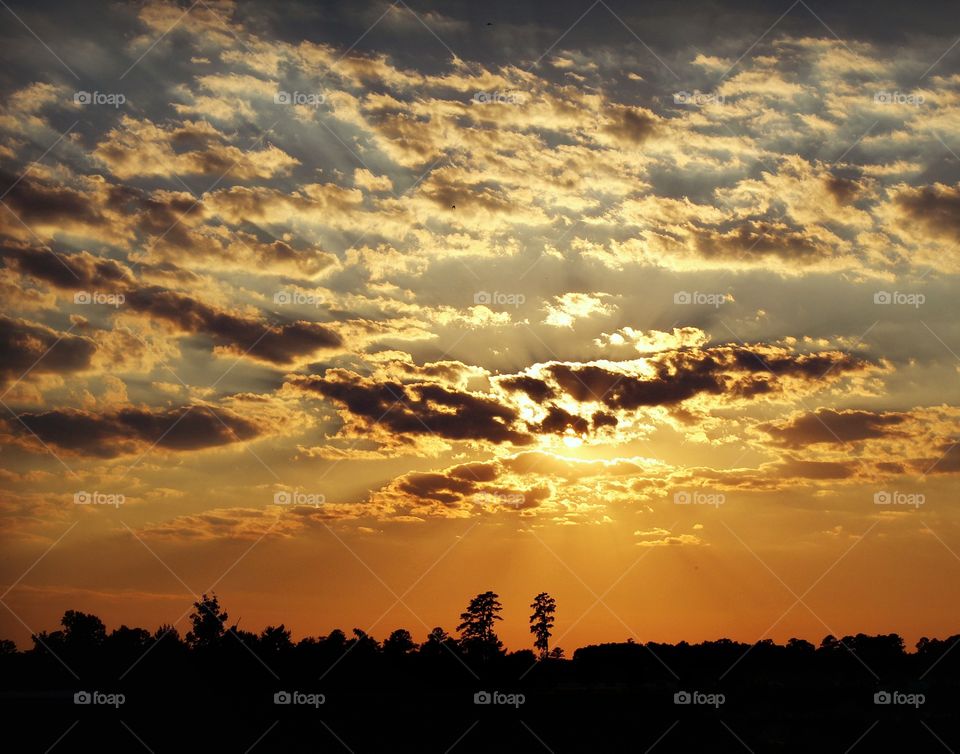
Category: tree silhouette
[363,645]
[275,639]
[82,630]
[544,606]
[208,621]
[436,640]
[602,681]
[476,630]
[400,642]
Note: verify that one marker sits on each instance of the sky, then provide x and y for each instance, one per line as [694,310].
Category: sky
[348,312]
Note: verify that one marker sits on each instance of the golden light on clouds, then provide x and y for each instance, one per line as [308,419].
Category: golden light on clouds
[495,293]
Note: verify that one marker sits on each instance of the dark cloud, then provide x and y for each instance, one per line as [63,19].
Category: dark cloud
[631,125]
[537,389]
[843,190]
[278,344]
[421,408]
[936,207]
[792,467]
[134,430]
[761,238]
[469,484]
[26,344]
[558,420]
[79,271]
[483,199]
[601,419]
[435,486]
[946,459]
[36,202]
[830,426]
[418,409]
[736,371]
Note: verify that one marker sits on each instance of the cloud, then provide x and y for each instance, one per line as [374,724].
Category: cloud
[935,208]
[660,537]
[80,271]
[630,126]
[137,148]
[385,409]
[277,344]
[363,178]
[556,399]
[671,377]
[133,430]
[831,426]
[568,308]
[31,347]
[652,341]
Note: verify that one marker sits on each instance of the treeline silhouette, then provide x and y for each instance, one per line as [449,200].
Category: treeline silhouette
[358,693]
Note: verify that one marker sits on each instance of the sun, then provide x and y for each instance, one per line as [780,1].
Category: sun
[571,439]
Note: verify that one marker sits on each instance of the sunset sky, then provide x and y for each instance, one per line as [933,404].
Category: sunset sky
[348,314]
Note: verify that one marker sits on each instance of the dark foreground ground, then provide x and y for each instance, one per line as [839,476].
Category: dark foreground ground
[618,697]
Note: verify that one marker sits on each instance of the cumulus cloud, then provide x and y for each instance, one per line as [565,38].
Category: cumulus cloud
[278,344]
[141,148]
[31,348]
[830,426]
[133,429]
